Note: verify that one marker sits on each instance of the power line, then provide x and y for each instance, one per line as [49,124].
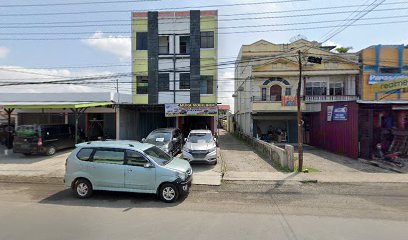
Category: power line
[222,33]
[128,22]
[230,27]
[353,21]
[157,9]
[73,3]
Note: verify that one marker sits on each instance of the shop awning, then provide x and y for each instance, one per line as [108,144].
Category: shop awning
[39,105]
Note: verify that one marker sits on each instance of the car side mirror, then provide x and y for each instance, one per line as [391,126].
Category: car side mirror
[148,165]
[143,139]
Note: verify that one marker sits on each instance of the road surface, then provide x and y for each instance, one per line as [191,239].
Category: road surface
[231,211]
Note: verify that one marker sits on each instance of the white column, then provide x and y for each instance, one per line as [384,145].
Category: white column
[117,123]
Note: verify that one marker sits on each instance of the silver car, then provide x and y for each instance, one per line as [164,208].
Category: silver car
[200,147]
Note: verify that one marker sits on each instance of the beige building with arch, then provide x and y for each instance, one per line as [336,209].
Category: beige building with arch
[266,82]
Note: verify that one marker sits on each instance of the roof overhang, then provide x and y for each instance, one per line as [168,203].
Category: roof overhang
[49,105]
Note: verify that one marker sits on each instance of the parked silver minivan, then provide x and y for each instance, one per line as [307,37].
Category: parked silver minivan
[127,166]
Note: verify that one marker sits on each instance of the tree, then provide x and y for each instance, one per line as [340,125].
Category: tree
[343,49]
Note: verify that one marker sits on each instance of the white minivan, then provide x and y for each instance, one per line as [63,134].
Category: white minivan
[127,166]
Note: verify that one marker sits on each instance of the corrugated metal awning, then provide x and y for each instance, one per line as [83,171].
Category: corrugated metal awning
[39,105]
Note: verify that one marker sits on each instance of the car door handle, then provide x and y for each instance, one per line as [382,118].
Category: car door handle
[130,170]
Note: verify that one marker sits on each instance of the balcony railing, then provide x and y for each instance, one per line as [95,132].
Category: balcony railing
[329,98]
[267,99]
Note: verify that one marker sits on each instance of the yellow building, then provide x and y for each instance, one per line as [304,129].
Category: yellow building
[384,99]
[382,64]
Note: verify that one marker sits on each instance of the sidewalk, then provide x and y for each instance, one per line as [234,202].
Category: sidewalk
[355,177]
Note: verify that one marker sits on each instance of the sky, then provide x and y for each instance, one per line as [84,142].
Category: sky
[97,44]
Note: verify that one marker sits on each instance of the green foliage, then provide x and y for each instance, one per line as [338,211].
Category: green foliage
[343,49]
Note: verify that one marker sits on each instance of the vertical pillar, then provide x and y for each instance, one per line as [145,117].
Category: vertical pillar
[153,57]
[195,44]
[401,119]
[117,122]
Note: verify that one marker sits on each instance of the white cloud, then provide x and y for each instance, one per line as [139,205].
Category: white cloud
[117,45]
[4,52]
[20,75]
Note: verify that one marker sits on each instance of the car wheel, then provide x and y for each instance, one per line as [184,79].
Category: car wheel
[83,188]
[27,154]
[168,193]
[51,150]
[214,163]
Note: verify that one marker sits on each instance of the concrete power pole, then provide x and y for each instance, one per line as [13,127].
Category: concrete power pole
[299,115]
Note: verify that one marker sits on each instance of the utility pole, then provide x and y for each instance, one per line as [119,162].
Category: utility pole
[299,115]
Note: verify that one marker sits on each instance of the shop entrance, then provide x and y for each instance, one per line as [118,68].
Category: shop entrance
[188,123]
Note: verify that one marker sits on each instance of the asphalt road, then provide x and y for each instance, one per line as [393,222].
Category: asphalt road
[231,211]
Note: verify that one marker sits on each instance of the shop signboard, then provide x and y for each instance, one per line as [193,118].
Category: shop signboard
[175,110]
[337,113]
[289,101]
[392,85]
[384,77]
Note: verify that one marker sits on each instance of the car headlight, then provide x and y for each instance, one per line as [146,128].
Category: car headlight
[181,175]
[213,149]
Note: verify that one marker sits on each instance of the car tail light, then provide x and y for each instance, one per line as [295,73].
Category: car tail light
[40,142]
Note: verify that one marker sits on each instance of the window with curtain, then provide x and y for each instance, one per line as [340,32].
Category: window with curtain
[164,45]
[263,94]
[142,83]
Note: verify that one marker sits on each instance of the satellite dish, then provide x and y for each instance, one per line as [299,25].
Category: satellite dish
[297,37]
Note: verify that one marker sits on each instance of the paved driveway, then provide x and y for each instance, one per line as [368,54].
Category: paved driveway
[239,157]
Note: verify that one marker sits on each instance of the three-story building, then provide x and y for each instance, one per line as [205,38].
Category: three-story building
[174,65]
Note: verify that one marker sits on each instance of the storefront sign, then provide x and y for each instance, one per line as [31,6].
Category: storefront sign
[379,78]
[329,113]
[391,85]
[289,101]
[337,113]
[174,110]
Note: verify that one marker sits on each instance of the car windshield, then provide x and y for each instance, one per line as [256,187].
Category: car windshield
[158,155]
[200,138]
[159,137]
[26,131]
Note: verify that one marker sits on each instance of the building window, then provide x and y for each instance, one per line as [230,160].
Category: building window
[141,41]
[206,84]
[336,89]
[164,80]
[164,45]
[390,70]
[184,80]
[288,92]
[207,39]
[263,94]
[185,44]
[316,88]
[142,83]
